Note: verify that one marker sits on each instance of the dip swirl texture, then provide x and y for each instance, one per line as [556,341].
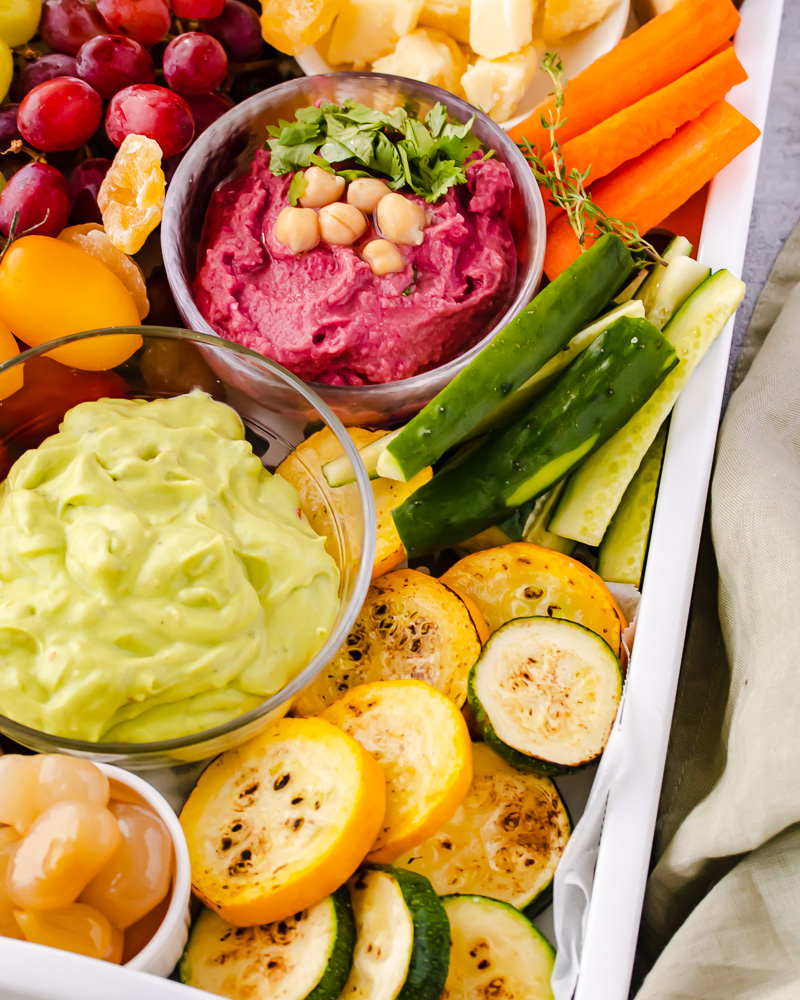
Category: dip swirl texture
[155,579]
[324,315]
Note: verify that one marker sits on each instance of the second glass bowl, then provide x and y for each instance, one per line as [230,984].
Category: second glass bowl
[277,410]
[226,149]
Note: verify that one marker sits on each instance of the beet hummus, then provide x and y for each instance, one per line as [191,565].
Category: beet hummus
[323,313]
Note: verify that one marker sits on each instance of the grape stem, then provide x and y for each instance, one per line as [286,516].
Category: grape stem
[18,146]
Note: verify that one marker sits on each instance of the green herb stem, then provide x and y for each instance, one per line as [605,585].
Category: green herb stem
[567,189]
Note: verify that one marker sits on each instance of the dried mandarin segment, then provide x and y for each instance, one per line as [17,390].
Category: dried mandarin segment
[137,877]
[131,197]
[62,852]
[77,928]
[92,239]
[292,25]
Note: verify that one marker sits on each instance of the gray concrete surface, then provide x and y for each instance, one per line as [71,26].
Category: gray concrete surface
[776,210]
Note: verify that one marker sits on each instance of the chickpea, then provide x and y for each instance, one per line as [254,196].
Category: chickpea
[383,257]
[366,192]
[341,224]
[322,188]
[401,220]
[297,229]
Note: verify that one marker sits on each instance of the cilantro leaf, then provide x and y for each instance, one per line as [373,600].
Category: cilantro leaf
[297,188]
[428,156]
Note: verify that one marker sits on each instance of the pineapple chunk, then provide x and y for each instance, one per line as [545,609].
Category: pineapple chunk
[496,86]
[562,17]
[427,55]
[451,16]
[500,27]
[366,30]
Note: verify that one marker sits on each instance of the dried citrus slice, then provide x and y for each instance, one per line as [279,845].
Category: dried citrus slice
[291,25]
[131,197]
[92,239]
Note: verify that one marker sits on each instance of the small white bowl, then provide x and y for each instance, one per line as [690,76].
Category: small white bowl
[163,951]
[577,51]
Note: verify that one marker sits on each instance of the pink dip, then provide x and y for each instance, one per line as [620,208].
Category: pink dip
[324,315]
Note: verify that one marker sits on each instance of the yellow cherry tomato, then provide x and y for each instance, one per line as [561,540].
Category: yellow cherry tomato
[6,68]
[19,20]
[49,289]
[10,381]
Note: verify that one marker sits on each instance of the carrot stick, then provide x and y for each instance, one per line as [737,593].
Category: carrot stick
[647,189]
[630,132]
[658,53]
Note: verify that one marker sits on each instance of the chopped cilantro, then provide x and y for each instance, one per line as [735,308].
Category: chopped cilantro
[297,188]
[410,288]
[429,157]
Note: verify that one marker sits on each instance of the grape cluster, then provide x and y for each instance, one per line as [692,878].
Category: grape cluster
[90,72]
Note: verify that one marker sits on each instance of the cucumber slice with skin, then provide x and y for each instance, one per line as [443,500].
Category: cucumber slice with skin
[647,291]
[624,545]
[594,492]
[599,392]
[495,951]
[339,471]
[537,383]
[402,937]
[307,957]
[537,334]
[545,693]
[505,840]
[681,277]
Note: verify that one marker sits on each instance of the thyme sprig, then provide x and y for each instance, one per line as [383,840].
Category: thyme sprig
[567,189]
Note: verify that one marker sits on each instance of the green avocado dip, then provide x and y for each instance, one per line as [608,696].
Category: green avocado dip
[155,579]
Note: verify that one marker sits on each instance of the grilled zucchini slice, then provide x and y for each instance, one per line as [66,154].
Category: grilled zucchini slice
[402,938]
[521,579]
[504,841]
[421,741]
[275,825]
[545,693]
[411,626]
[306,957]
[495,951]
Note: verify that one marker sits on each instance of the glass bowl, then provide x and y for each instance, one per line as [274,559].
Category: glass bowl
[227,148]
[277,409]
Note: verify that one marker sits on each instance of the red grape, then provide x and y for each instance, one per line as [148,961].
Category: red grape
[59,114]
[158,113]
[206,108]
[8,127]
[85,182]
[66,24]
[111,62]
[196,10]
[45,68]
[238,29]
[194,63]
[41,195]
[143,20]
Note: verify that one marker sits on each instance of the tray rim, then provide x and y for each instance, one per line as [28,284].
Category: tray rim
[614,916]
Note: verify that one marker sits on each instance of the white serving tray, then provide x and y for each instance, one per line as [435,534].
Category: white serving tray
[30,972]
[625,845]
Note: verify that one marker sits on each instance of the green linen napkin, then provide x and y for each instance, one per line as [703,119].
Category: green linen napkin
[722,910]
